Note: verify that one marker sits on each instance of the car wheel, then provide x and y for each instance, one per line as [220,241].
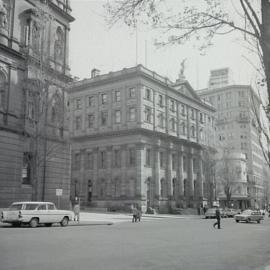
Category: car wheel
[248,220]
[237,221]
[64,222]
[33,222]
[258,221]
[48,224]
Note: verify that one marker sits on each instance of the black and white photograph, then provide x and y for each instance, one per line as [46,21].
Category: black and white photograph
[135,134]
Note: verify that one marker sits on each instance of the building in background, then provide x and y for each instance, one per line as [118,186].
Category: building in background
[138,138]
[237,109]
[34,150]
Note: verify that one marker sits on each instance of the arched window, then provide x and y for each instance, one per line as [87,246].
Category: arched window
[56,109]
[2,90]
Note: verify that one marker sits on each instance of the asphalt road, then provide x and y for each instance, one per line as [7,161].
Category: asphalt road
[167,244]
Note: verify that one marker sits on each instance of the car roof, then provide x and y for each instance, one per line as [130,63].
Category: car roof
[32,202]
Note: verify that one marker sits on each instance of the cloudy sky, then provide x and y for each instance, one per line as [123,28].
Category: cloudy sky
[94,45]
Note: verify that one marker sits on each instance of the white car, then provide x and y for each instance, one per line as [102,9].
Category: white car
[35,213]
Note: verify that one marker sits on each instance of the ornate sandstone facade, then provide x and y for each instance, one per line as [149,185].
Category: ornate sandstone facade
[34,152]
[138,138]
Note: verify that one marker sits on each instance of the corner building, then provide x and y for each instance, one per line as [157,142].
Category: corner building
[34,150]
[137,138]
[237,109]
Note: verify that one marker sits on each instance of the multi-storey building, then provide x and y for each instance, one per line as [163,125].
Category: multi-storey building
[138,138]
[34,151]
[237,109]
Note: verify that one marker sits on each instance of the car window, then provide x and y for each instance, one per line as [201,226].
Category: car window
[42,207]
[51,207]
[31,206]
[16,206]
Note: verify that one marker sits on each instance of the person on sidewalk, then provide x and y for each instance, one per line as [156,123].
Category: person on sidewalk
[218,218]
[134,213]
[76,210]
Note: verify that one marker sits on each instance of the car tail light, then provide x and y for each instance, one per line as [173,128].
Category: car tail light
[20,214]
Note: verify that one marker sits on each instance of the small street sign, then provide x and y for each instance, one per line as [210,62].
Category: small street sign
[59,192]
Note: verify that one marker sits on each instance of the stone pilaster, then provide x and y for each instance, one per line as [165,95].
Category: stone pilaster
[156,170]
[190,177]
[124,180]
[169,171]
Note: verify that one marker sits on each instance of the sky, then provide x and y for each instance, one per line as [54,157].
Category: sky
[93,44]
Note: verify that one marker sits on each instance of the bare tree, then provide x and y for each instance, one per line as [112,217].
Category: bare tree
[209,175]
[202,20]
[226,175]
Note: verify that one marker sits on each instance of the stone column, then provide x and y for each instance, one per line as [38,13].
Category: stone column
[140,176]
[109,162]
[124,180]
[190,176]
[156,171]
[180,174]
[200,177]
[169,171]
[95,173]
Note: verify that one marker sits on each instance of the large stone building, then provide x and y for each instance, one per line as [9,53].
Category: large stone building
[138,138]
[237,109]
[34,152]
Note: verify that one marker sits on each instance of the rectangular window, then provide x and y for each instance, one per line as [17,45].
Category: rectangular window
[78,122]
[201,117]
[117,96]
[132,114]
[148,94]
[78,104]
[161,159]
[117,117]
[117,158]
[148,157]
[26,168]
[161,120]
[77,161]
[148,115]
[172,106]
[103,159]
[174,162]
[173,124]
[91,101]
[160,100]
[90,161]
[30,110]
[183,109]
[184,164]
[104,118]
[103,98]
[91,120]
[131,157]
[132,93]
[192,114]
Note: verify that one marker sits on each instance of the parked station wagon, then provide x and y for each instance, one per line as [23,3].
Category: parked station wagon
[35,213]
[248,216]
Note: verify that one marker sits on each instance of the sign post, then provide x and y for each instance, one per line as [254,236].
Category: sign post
[59,193]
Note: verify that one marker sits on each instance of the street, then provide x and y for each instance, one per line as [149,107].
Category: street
[189,243]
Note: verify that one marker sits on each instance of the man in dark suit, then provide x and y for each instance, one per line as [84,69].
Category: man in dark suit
[218,218]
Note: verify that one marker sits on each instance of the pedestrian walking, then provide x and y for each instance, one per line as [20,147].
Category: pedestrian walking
[217,223]
[134,214]
[76,210]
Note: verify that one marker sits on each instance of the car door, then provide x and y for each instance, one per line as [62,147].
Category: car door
[52,212]
[42,213]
